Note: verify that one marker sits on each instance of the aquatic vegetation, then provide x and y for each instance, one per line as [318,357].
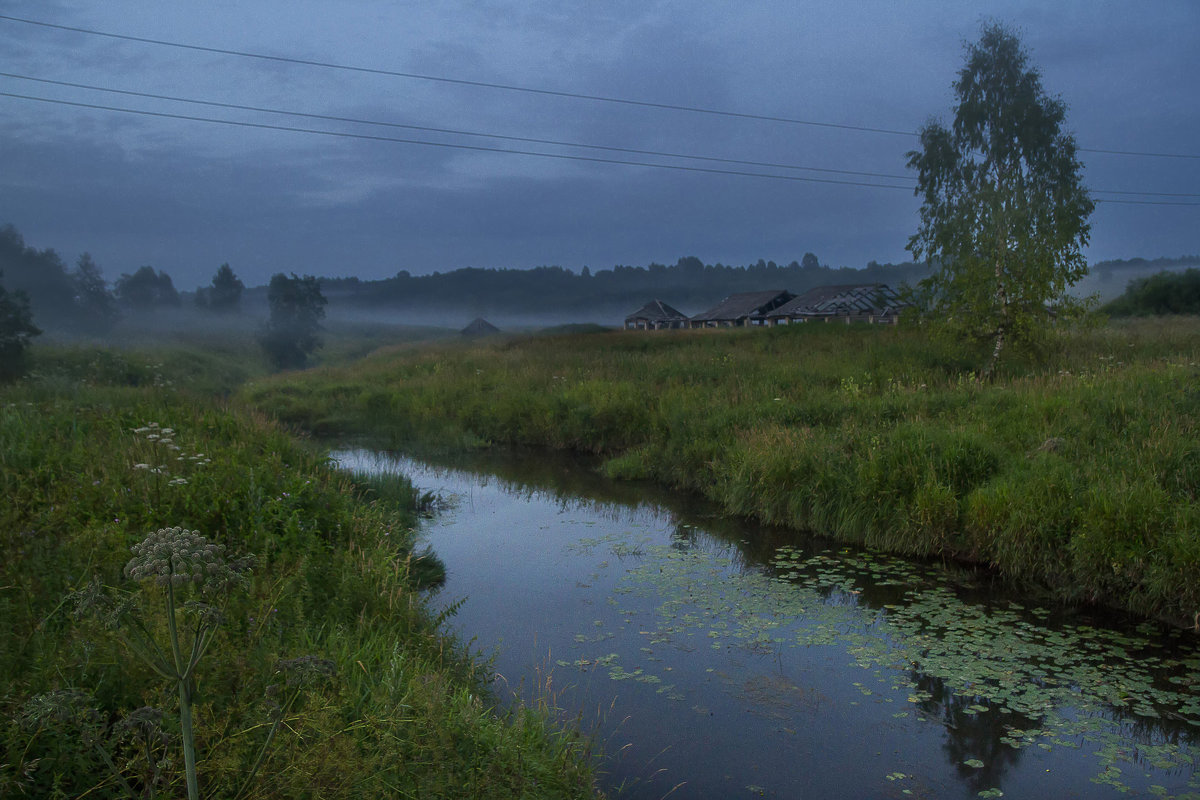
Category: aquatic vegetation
[1132,698]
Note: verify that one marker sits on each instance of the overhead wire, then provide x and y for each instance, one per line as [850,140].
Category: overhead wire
[528,89]
[334,118]
[457,132]
[452,146]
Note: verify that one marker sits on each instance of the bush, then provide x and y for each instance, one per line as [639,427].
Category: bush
[16,329]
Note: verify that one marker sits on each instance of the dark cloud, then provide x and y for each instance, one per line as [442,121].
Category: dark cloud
[187,196]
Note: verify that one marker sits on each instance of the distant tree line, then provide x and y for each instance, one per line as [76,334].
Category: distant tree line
[1163,293]
[77,300]
[80,300]
[687,284]
[1143,264]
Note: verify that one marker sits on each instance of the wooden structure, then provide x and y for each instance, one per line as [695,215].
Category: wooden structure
[868,302]
[656,315]
[737,310]
[480,327]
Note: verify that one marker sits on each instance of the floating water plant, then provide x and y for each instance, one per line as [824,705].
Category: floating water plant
[1044,686]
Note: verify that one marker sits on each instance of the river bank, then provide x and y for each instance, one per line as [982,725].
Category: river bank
[1077,477]
[329,651]
[715,657]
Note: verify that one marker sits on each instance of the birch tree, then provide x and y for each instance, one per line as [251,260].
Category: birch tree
[1005,212]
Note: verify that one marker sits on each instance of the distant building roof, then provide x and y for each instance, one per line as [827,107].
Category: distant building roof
[746,304]
[846,300]
[480,327]
[657,310]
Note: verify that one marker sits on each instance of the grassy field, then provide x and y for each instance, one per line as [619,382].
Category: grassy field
[1077,475]
[325,675]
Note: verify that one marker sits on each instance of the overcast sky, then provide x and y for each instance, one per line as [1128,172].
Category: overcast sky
[187,195]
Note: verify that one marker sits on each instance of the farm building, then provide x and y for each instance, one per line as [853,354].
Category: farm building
[656,315]
[480,327]
[869,302]
[737,310]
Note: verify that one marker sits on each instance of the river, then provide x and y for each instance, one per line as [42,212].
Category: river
[714,658]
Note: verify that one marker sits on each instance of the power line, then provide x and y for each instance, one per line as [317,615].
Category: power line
[528,89]
[530,140]
[457,132]
[458,81]
[477,148]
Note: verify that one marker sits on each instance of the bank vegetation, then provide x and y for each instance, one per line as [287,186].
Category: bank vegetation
[319,670]
[1076,474]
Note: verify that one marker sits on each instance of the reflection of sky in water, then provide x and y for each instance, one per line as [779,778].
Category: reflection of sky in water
[860,678]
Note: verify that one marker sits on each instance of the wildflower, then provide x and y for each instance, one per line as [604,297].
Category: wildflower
[177,482]
[141,466]
[176,556]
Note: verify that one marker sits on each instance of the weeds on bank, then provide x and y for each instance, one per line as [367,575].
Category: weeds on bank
[87,466]
[1078,473]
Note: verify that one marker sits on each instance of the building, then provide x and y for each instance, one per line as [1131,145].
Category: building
[656,315]
[480,327]
[868,302]
[737,310]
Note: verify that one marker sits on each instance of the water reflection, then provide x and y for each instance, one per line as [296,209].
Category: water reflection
[718,650]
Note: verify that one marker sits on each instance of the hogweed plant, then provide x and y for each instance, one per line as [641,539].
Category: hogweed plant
[192,574]
[191,577]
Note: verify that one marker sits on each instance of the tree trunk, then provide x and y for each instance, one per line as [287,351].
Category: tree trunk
[990,370]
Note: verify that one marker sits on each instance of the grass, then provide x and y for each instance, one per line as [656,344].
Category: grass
[87,470]
[1077,475]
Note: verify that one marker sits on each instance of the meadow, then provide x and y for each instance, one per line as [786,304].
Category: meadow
[1075,474]
[313,666]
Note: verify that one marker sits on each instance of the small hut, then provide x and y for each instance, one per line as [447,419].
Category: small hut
[480,327]
[656,315]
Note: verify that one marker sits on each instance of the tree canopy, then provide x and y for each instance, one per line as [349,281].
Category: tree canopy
[297,308]
[225,293]
[146,289]
[1163,293]
[1005,213]
[16,329]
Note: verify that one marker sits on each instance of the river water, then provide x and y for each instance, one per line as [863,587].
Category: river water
[714,658]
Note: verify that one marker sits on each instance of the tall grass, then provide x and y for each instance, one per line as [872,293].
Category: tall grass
[1076,474]
[88,468]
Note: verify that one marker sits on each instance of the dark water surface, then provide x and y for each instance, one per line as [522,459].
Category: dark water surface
[718,659]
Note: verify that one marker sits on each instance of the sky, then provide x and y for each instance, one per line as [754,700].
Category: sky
[823,96]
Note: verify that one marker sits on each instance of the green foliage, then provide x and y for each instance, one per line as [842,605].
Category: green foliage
[88,464]
[1163,293]
[77,301]
[96,304]
[16,330]
[1004,210]
[868,434]
[297,308]
[146,290]
[687,284]
[225,293]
